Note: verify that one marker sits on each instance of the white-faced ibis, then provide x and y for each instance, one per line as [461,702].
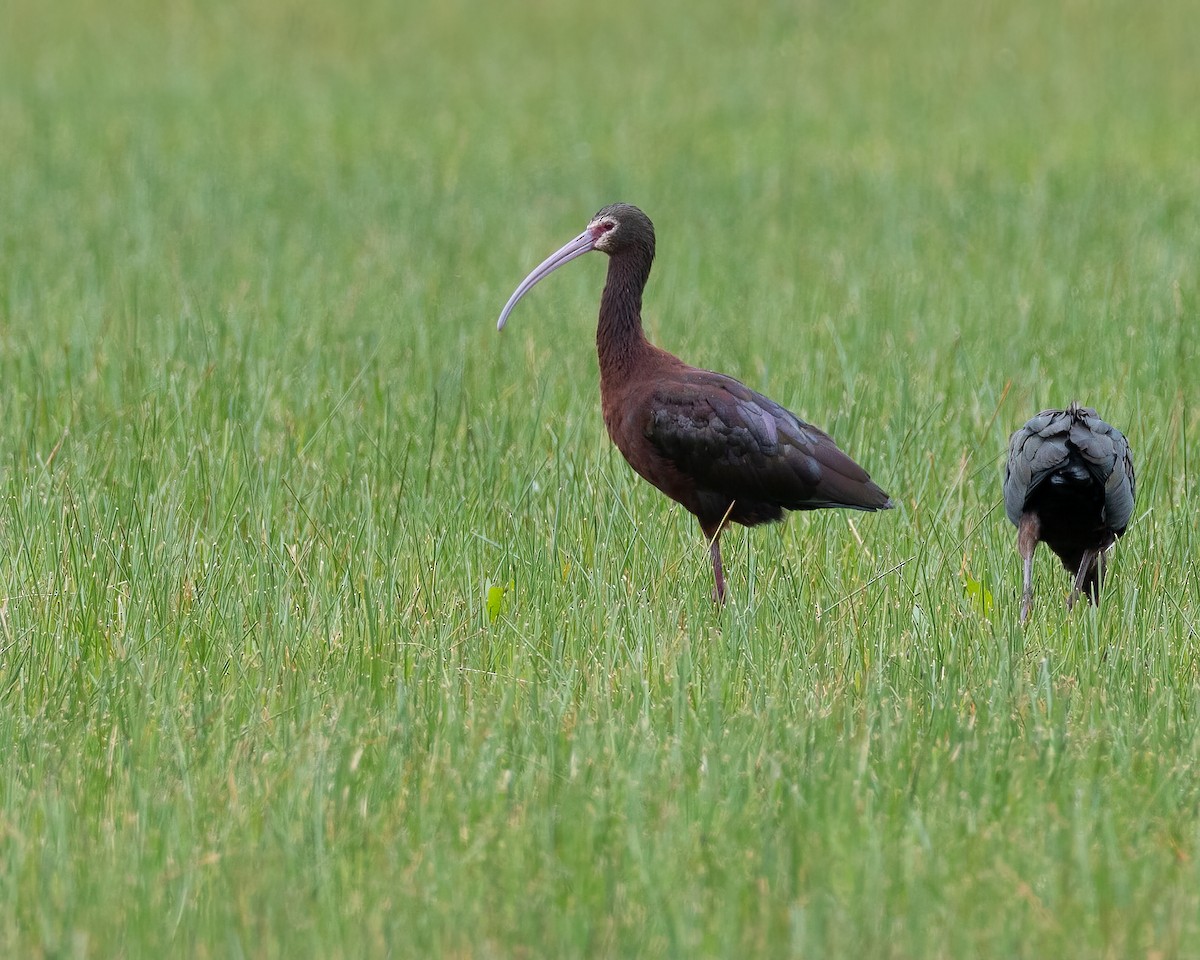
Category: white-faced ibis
[1068,483]
[726,453]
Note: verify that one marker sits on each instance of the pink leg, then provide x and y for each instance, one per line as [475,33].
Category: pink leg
[1085,567]
[714,549]
[712,533]
[1027,540]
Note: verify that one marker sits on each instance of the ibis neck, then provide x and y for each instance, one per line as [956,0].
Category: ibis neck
[620,342]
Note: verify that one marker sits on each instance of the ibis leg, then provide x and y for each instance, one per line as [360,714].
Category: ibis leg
[1085,567]
[1101,561]
[1027,540]
[712,533]
[714,548]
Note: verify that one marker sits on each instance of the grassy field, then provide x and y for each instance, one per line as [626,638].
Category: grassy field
[330,623]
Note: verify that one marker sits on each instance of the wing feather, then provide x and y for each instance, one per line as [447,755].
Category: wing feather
[739,444]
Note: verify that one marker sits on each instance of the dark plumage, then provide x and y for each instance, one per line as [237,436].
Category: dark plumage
[1069,483]
[726,453]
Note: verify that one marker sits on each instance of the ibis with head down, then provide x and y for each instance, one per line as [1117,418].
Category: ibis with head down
[1069,484]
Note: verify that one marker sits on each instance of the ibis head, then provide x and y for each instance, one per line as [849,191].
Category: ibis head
[615,228]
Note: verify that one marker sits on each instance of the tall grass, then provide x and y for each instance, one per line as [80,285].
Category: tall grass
[331,625]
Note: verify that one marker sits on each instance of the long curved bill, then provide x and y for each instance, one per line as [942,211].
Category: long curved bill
[564,254]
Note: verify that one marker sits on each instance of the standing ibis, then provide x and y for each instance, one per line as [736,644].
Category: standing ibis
[726,453]
[1068,483]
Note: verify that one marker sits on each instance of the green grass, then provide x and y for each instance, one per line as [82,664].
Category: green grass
[263,457]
